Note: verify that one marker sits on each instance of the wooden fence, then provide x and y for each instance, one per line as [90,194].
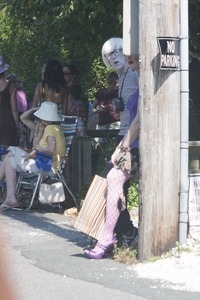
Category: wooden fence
[82,157]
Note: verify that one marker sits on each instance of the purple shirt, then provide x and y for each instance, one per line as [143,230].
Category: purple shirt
[131,106]
[21,101]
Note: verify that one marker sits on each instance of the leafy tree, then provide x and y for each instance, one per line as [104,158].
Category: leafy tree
[194,25]
[67,30]
[33,31]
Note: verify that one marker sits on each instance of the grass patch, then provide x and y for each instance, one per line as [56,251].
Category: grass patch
[125,255]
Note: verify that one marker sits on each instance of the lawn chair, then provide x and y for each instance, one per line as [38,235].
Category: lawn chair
[30,183]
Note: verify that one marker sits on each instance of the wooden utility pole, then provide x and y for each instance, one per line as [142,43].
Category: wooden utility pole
[160,129]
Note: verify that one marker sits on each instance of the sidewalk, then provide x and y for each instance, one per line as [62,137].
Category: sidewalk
[45,261]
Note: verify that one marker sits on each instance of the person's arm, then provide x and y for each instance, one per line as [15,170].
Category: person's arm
[99,98]
[51,143]
[13,102]
[26,120]
[37,95]
[38,133]
[98,108]
[94,106]
[131,135]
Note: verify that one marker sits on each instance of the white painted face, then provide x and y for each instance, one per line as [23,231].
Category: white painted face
[116,59]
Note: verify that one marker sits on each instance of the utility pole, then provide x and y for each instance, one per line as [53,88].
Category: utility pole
[159,107]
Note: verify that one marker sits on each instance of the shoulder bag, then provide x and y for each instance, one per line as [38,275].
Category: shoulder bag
[91,217]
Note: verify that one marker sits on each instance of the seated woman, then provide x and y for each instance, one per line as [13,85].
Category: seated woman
[49,138]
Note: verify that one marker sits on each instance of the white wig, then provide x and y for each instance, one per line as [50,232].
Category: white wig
[109,46]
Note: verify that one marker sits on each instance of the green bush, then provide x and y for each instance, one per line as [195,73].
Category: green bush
[133,193]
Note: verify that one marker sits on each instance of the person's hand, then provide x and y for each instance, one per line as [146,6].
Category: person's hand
[102,109]
[115,155]
[41,128]
[32,155]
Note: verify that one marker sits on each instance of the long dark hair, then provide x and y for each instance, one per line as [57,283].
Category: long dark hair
[54,76]
[73,69]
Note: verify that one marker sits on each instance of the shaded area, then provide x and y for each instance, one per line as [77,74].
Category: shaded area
[194,103]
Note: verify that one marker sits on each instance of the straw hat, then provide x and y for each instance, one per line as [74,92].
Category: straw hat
[48,111]
[3,66]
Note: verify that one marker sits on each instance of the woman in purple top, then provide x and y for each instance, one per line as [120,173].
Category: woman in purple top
[21,107]
[132,106]
[115,201]
[20,94]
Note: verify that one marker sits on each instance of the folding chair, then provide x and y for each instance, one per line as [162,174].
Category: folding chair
[29,181]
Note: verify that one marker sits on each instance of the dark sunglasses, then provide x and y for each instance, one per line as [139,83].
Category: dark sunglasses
[67,73]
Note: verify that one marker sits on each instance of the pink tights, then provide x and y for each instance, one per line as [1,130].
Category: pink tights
[115,180]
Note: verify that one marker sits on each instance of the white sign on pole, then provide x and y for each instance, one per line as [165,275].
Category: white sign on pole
[169,53]
[194,200]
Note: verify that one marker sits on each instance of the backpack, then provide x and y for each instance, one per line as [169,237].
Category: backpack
[126,232]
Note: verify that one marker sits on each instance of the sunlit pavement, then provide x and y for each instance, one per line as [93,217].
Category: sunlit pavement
[45,261]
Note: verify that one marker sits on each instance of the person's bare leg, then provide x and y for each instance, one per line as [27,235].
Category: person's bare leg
[11,179]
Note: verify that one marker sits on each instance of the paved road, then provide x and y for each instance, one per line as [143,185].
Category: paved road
[45,261]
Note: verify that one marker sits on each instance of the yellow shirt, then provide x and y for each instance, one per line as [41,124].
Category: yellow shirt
[57,133]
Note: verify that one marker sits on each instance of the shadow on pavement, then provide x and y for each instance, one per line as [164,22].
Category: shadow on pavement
[50,221]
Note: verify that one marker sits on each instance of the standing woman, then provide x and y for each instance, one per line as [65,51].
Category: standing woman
[9,118]
[22,107]
[71,74]
[53,87]
[113,57]
[112,54]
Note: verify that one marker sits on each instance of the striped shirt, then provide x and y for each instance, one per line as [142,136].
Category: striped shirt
[128,81]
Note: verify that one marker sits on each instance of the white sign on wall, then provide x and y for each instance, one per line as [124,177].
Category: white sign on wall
[194,200]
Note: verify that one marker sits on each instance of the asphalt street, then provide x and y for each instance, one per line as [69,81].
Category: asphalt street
[44,260]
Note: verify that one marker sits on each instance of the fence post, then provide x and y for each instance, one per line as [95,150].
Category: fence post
[81,162]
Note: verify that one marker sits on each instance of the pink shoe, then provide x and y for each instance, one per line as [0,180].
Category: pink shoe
[99,250]
[96,253]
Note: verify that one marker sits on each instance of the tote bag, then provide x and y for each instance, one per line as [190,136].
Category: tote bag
[51,192]
[91,217]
